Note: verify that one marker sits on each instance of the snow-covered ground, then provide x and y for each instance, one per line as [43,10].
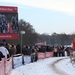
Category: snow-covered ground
[47,66]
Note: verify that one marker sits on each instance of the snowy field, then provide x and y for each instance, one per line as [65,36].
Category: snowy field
[47,66]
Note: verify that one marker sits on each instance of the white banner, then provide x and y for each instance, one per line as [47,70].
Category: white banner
[27,59]
[17,61]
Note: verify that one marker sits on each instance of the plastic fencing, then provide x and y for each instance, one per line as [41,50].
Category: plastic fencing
[2,67]
[49,54]
[17,60]
[6,65]
[26,59]
[43,55]
[20,59]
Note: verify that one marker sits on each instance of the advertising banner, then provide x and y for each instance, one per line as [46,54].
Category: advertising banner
[48,54]
[27,59]
[2,67]
[17,61]
[74,43]
[51,54]
[8,66]
[8,22]
[9,36]
[8,9]
[41,55]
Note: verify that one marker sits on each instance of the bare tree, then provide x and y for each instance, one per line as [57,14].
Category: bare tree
[30,36]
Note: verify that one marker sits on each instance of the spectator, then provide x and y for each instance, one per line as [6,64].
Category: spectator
[1,55]
[27,54]
[4,42]
[18,48]
[4,50]
[8,48]
[55,52]
[24,52]
[12,50]
[63,51]
[33,54]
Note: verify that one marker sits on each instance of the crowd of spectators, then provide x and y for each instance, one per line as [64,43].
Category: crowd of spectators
[7,50]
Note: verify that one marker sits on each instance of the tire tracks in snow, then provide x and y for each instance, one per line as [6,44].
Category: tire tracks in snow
[56,69]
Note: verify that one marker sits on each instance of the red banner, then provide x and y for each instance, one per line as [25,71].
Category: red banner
[2,67]
[8,9]
[74,43]
[41,55]
[11,36]
[49,54]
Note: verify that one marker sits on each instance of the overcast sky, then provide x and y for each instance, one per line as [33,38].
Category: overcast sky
[46,16]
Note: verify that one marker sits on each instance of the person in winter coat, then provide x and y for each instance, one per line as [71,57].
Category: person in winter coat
[12,50]
[33,54]
[18,48]
[1,55]
[26,54]
[4,50]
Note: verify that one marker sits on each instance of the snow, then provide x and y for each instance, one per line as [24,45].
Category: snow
[46,67]
[66,66]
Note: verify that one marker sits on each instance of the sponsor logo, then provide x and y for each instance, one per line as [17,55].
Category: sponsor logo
[8,9]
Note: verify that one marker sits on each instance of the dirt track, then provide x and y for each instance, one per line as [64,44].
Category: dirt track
[56,69]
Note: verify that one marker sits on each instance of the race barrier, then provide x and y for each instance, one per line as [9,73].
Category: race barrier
[26,59]
[2,67]
[6,65]
[41,55]
[17,60]
[49,54]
